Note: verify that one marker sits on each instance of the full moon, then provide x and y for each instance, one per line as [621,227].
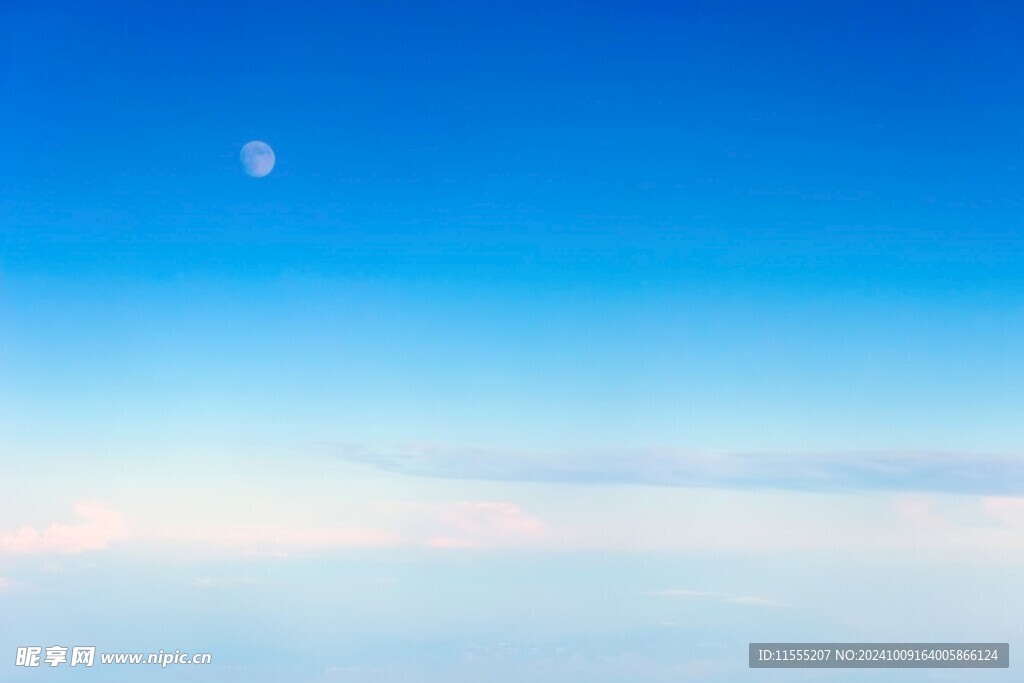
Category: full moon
[257,158]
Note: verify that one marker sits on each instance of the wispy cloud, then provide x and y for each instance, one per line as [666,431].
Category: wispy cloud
[729,598]
[278,540]
[1006,509]
[485,524]
[851,471]
[229,582]
[98,527]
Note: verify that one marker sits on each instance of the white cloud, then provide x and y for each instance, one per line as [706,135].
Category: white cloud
[98,527]
[1007,510]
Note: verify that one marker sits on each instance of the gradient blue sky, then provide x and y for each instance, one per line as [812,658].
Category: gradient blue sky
[565,342]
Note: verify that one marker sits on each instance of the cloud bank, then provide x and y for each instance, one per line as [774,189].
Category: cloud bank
[996,475]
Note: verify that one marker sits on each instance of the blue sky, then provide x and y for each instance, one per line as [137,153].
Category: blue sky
[565,341]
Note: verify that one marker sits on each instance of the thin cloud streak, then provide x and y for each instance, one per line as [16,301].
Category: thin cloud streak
[731,599]
[933,472]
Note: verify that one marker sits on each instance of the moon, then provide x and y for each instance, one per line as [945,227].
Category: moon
[257,158]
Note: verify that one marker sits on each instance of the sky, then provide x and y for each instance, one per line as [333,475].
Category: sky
[570,342]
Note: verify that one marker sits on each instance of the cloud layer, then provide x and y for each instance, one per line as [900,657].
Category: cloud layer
[856,471]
